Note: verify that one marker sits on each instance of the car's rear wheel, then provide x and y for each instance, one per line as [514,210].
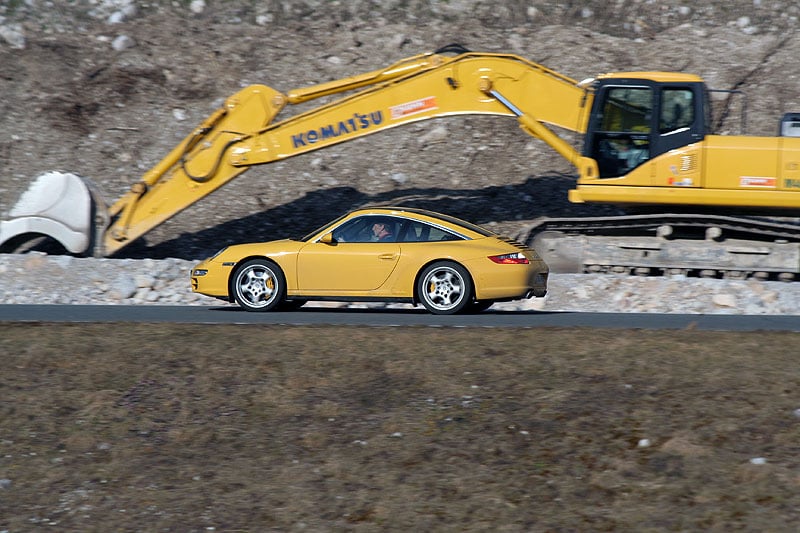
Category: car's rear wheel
[259,285]
[444,288]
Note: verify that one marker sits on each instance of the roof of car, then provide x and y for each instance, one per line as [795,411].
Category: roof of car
[399,210]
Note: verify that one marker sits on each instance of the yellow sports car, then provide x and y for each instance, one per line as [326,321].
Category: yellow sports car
[384,254]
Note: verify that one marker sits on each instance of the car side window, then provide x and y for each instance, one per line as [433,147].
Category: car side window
[413,232]
[420,232]
[438,234]
[362,229]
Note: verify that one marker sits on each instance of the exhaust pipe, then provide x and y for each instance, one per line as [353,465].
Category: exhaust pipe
[57,205]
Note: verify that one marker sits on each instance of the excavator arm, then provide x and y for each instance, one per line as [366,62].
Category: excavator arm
[245,131]
[248,130]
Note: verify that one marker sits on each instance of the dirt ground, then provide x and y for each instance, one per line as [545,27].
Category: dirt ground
[73,103]
[237,428]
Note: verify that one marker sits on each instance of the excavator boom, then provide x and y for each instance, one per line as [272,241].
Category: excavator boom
[248,130]
[245,131]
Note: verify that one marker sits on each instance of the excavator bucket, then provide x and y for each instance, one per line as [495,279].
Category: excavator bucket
[57,205]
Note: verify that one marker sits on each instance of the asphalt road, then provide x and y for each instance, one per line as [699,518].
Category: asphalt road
[387,317]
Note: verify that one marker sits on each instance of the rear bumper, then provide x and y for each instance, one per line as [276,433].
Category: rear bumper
[511,282]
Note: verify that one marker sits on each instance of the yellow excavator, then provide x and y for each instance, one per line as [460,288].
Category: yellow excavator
[647,145]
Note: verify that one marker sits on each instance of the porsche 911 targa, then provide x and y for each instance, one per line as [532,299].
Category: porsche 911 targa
[388,254]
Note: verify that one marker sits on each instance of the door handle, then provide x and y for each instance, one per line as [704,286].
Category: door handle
[387,256]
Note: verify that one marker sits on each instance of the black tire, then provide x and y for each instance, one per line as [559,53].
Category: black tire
[481,305]
[292,305]
[258,285]
[444,288]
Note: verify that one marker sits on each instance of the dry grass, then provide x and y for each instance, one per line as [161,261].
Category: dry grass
[250,428]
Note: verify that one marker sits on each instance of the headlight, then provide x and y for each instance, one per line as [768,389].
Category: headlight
[199,272]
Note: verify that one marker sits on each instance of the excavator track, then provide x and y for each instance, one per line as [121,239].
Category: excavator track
[713,246]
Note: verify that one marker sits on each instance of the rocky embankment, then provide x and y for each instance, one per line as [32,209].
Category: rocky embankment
[36,278]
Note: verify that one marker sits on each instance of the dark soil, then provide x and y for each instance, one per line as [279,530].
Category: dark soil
[237,428]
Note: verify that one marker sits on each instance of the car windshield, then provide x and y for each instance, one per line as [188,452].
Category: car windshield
[319,229]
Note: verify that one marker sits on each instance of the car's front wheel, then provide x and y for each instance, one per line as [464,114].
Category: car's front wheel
[258,285]
[444,288]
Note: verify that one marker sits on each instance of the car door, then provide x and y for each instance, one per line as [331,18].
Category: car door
[352,263]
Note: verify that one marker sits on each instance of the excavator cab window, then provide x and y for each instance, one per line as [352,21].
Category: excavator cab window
[677,111]
[622,140]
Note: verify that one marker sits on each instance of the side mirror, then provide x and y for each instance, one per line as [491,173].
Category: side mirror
[328,239]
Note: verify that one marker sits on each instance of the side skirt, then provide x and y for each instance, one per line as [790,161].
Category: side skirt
[350,299]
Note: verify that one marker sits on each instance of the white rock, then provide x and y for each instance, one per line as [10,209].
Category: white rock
[396,41]
[122,42]
[197,6]
[724,300]
[130,10]
[144,280]
[434,135]
[117,17]
[123,287]
[14,35]
[265,19]
[64,261]
[581,293]
[399,178]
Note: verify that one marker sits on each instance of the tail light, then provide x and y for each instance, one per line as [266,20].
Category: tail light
[517,258]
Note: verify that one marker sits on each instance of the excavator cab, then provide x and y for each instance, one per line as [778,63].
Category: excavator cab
[635,119]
